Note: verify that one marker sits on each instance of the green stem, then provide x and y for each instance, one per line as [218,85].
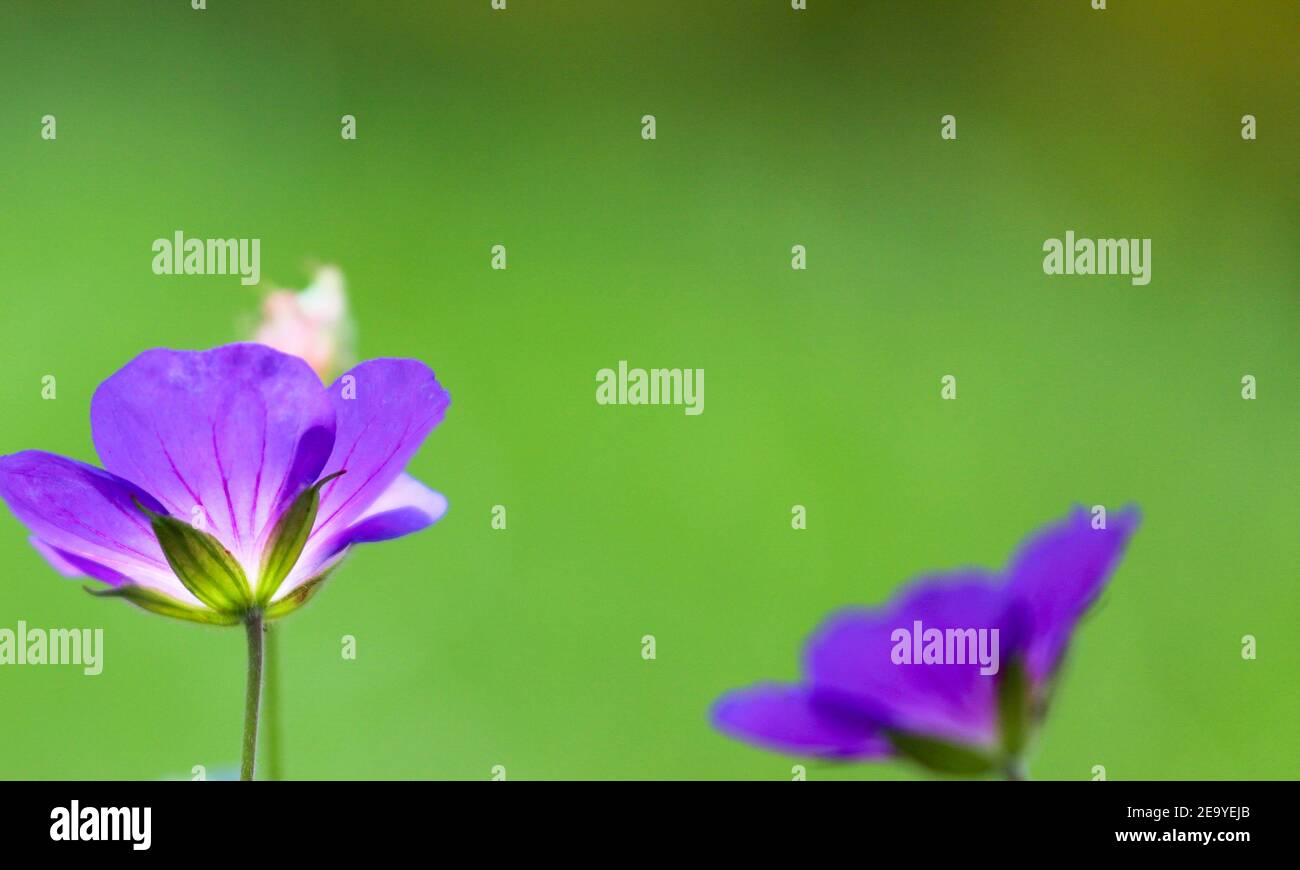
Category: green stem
[253,695]
[1016,770]
[271,703]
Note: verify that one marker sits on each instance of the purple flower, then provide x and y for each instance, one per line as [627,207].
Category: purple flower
[233,481]
[953,673]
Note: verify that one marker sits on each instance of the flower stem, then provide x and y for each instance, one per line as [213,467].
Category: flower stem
[271,703]
[1016,770]
[253,695]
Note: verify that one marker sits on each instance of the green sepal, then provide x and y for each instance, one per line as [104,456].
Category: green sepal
[295,599]
[203,565]
[942,756]
[1015,709]
[156,602]
[287,540]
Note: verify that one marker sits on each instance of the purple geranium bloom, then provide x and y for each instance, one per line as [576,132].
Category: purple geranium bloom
[875,686]
[233,481]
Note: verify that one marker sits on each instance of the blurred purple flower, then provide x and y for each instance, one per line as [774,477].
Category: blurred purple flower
[238,443]
[855,702]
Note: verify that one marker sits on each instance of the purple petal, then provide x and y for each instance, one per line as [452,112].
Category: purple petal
[65,563]
[849,660]
[1059,572]
[384,409]
[72,565]
[786,719]
[406,506]
[84,521]
[237,430]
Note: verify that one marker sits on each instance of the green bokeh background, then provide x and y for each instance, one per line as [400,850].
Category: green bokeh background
[522,647]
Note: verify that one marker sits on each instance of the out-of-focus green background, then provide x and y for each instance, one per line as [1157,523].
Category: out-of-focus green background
[523,647]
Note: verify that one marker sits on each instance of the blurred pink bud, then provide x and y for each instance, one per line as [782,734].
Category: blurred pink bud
[313,324]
